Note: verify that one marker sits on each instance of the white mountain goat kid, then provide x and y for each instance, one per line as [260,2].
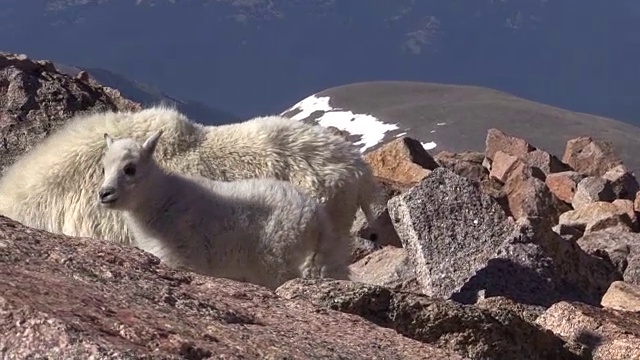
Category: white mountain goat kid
[263,231]
[52,186]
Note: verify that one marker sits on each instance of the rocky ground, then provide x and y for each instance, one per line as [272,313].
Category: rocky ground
[509,253]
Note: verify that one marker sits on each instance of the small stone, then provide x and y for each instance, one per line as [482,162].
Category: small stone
[623,183]
[528,196]
[590,157]
[596,216]
[402,160]
[626,206]
[467,164]
[592,189]
[564,184]
[499,141]
[544,161]
[503,165]
[389,267]
[622,296]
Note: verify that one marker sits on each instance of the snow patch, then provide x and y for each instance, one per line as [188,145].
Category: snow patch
[440,124]
[370,128]
[429,146]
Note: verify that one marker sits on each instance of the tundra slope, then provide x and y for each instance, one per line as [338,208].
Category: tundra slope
[52,186]
[262,231]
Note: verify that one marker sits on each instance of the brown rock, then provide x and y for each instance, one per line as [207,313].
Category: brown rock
[564,184]
[503,165]
[402,160]
[592,189]
[74,298]
[389,267]
[36,99]
[499,141]
[622,296]
[544,161]
[606,334]
[590,157]
[467,164]
[623,183]
[472,332]
[626,206]
[596,216]
[528,195]
[636,202]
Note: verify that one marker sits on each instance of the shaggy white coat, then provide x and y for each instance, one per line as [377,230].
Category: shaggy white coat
[262,231]
[52,186]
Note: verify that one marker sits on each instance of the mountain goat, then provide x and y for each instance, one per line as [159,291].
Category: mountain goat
[51,187]
[263,231]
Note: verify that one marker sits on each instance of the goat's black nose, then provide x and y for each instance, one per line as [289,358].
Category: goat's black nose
[107,194]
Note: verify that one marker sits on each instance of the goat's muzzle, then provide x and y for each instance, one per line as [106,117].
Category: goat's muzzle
[107,195]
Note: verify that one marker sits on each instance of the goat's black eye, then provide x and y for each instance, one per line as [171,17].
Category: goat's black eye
[130,170]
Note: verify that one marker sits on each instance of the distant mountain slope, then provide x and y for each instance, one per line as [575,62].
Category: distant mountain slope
[455,118]
[148,95]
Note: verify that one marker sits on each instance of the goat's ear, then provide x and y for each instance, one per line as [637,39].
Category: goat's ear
[108,139]
[150,144]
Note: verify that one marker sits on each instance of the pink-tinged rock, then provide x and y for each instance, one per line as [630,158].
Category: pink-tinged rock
[503,165]
[591,157]
[605,334]
[499,141]
[564,184]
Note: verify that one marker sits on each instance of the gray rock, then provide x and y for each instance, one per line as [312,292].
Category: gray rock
[463,245]
[623,183]
[494,331]
[592,189]
[36,99]
[621,247]
[467,164]
[450,229]
[583,276]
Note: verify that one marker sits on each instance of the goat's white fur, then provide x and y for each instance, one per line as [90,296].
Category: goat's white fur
[263,231]
[51,187]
